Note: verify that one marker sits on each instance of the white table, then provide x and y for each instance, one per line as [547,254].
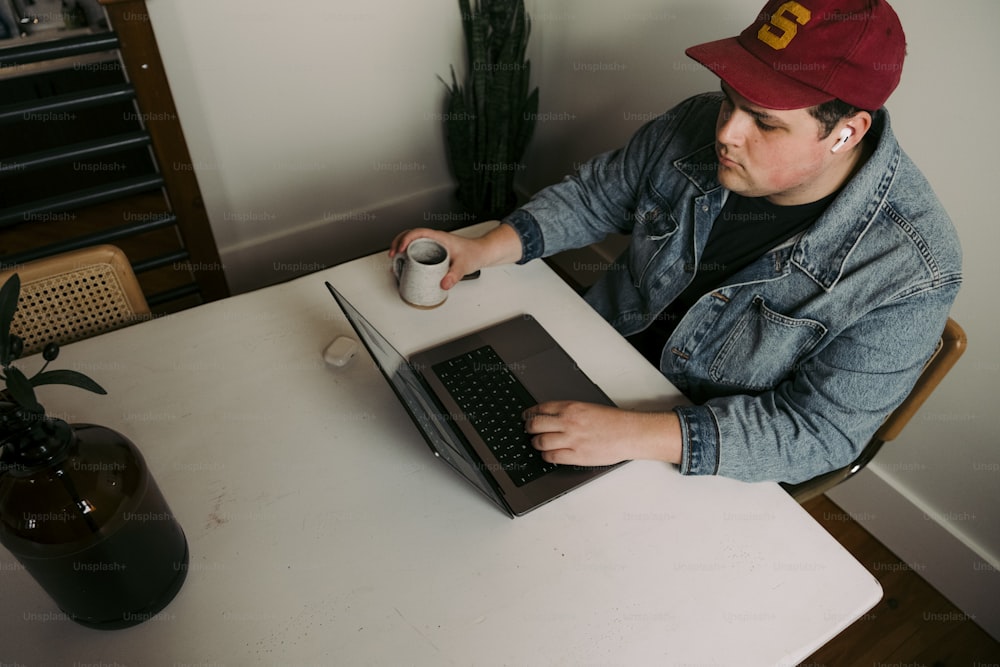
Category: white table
[324,532]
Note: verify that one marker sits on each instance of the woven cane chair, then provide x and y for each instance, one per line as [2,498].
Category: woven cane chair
[75,295]
[950,348]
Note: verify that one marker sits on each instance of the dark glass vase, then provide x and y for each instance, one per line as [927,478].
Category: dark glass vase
[80,510]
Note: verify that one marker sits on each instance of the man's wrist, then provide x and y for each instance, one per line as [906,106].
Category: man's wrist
[501,245]
[661,437]
[669,438]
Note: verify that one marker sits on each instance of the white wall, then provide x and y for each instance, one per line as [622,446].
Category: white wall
[314,136]
[307,116]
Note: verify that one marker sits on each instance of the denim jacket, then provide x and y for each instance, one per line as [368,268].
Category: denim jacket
[795,361]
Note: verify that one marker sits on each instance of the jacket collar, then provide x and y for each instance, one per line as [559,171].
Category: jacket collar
[701,168]
[823,250]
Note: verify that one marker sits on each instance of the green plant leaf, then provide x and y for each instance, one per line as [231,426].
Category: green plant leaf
[466,12]
[71,378]
[499,16]
[527,128]
[480,66]
[9,294]
[458,127]
[21,390]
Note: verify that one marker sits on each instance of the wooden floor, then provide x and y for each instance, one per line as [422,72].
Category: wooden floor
[912,626]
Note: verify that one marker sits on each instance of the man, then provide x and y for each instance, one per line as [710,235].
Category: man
[789,268]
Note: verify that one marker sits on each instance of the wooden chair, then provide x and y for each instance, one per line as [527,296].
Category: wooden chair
[75,295]
[949,349]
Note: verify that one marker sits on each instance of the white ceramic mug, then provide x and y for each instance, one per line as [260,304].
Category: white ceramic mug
[419,271]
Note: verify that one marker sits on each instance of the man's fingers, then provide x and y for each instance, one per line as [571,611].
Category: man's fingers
[557,456]
[454,275]
[549,409]
[542,441]
[542,422]
[407,236]
[399,243]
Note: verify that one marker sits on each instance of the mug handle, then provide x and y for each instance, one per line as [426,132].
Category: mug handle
[397,266]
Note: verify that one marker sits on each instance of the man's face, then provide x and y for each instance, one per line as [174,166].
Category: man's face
[770,153]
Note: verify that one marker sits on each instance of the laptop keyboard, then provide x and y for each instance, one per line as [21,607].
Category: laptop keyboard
[493,400]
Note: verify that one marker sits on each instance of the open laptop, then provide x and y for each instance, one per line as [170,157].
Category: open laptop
[466,397]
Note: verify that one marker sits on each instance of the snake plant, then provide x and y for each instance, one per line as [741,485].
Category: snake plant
[490,116]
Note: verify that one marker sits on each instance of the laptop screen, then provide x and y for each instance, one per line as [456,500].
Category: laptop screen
[427,414]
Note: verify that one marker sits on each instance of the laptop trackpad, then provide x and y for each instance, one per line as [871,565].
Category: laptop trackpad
[552,375]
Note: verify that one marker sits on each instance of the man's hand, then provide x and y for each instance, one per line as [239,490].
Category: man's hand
[587,434]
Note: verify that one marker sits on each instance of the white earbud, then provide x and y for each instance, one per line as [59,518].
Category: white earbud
[845,136]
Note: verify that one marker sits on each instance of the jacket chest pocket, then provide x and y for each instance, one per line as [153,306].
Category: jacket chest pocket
[653,227]
[764,348]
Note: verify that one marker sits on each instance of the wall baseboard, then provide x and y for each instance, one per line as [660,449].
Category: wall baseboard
[921,539]
[338,238]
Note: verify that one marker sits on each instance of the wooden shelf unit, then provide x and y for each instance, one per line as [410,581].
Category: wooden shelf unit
[92,152]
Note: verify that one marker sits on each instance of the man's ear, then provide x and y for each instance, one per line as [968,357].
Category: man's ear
[857,125]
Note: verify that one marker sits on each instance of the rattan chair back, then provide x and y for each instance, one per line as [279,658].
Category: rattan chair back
[75,295]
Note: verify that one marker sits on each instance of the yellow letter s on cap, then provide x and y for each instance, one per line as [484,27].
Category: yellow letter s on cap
[777,41]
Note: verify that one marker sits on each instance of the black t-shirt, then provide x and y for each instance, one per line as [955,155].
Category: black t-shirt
[746,228]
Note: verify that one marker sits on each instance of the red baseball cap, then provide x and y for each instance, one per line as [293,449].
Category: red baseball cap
[800,53]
